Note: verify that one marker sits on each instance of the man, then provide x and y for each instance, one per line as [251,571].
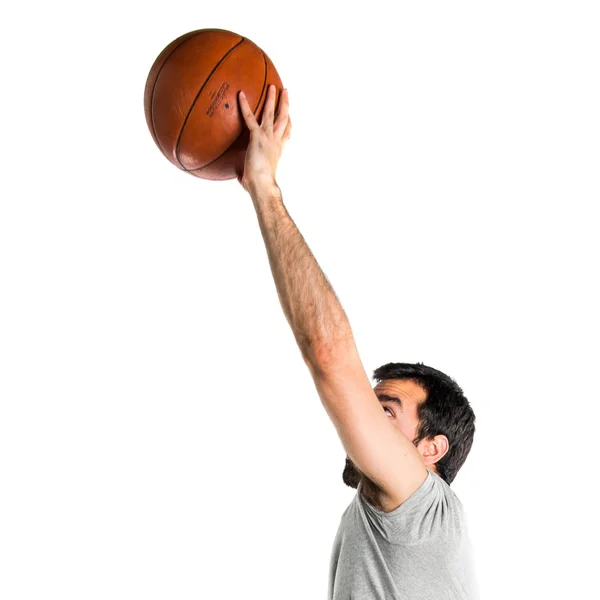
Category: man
[404,535]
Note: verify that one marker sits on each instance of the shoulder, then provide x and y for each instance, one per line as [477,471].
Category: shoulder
[430,512]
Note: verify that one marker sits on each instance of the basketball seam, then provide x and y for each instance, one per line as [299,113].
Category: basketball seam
[166,59]
[243,127]
[198,95]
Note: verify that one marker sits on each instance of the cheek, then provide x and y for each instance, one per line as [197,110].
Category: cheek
[407,428]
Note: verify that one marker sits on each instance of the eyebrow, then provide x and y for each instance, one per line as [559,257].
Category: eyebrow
[394,399]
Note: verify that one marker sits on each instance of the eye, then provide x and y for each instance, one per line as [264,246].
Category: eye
[388,408]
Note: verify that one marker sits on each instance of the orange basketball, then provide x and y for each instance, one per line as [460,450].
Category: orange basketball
[191,100]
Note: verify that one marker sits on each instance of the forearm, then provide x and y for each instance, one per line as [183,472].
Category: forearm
[309,302]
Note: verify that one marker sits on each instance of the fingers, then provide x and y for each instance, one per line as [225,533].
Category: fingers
[247,113]
[269,110]
[282,114]
[282,124]
[288,131]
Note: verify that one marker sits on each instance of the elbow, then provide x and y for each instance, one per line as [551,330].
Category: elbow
[332,356]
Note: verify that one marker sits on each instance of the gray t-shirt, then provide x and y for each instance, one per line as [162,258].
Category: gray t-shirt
[420,551]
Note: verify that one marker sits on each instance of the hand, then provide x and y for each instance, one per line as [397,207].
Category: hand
[266,140]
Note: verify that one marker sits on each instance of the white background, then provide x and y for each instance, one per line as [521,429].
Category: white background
[160,435]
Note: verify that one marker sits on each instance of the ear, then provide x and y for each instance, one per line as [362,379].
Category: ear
[434,449]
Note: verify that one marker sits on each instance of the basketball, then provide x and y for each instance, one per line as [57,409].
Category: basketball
[191,100]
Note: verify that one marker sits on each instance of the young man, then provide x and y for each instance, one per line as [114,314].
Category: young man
[404,535]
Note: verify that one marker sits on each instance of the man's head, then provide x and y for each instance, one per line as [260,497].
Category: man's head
[431,410]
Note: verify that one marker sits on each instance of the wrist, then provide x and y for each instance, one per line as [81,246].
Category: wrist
[259,188]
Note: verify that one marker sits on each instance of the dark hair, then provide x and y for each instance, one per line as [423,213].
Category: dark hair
[445,411]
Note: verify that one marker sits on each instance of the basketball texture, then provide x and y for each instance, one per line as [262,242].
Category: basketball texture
[191,100]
